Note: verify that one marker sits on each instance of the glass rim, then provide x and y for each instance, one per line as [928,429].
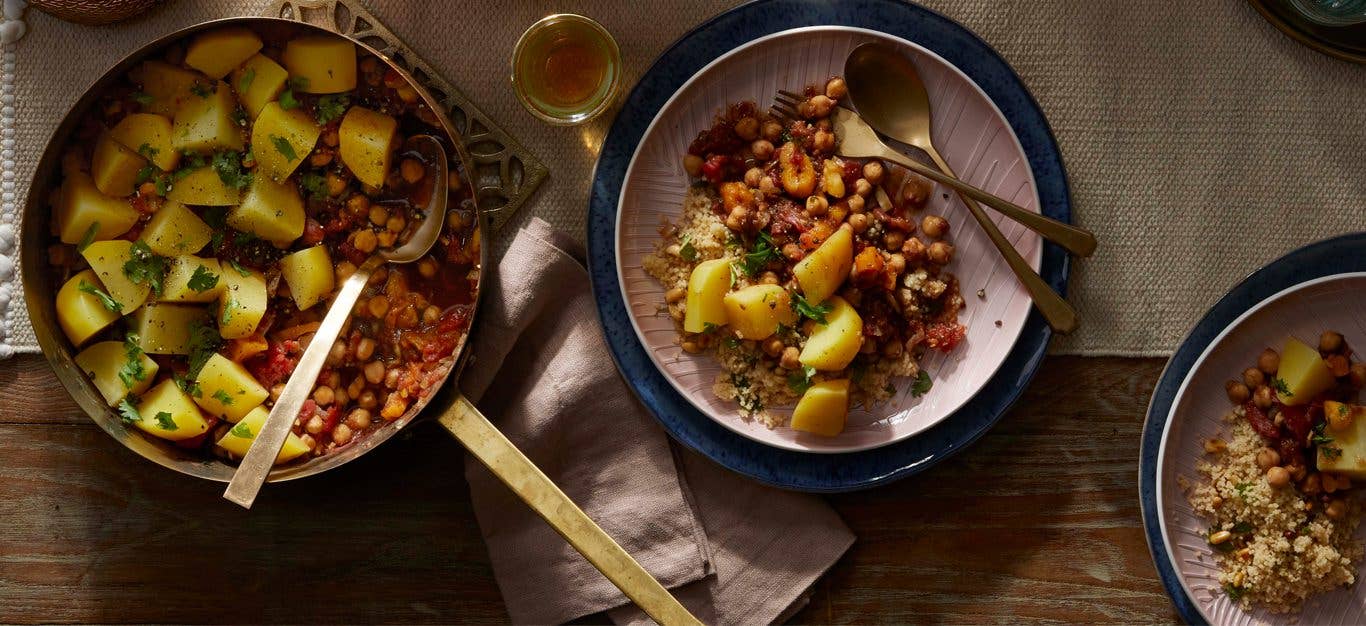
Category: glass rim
[613,61]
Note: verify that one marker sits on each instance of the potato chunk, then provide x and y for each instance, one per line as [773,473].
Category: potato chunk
[205,123]
[227,389]
[106,259]
[823,408]
[258,82]
[203,187]
[242,303]
[366,138]
[833,345]
[218,51]
[80,313]
[1346,453]
[1305,373]
[166,328]
[327,63]
[192,279]
[168,412]
[150,130]
[80,207]
[706,303]
[309,275]
[175,230]
[167,85]
[270,210]
[114,168]
[238,439]
[104,361]
[281,140]
[756,311]
[822,272]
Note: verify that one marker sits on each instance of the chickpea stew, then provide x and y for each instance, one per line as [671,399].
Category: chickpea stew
[209,206]
[811,278]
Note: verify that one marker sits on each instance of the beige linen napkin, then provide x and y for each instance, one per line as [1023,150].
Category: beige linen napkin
[731,549]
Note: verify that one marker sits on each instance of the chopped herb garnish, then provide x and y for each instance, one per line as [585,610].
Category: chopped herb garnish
[146,150]
[313,184]
[1234,592]
[108,302]
[244,82]
[1242,488]
[165,421]
[283,146]
[163,185]
[89,237]
[332,107]
[200,90]
[922,384]
[132,369]
[188,386]
[145,174]
[128,412]
[1282,389]
[800,380]
[145,267]
[687,250]
[1320,437]
[202,280]
[241,271]
[731,342]
[241,430]
[763,252]
[287,100]
[1242,528]
[141,98]
[222,396]
[1330,452]
[708,327]
[228,305]
[204,340]
[811,311]
[229,168]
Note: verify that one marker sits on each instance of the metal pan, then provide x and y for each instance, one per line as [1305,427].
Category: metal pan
[460,417]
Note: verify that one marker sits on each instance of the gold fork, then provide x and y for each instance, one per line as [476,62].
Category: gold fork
[858,140]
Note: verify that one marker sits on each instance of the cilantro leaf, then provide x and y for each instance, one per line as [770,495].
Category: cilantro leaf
[202,280]
[163,185]
[222,396]
[241,271]
[811,311]
[687,250]
[108,302]
[1282,389]
[244,82]
[922,384]
[1320,437]
[287,100]
[800,380]
[132,369]
[145,267]
[145,174]
[166,421]
[204,340]
[229,168]
[141,98]
[200,90]
[89,237]
[313,184]
[763,252]
[147,151]
[1330,452]
[128,412]
[241,430]
[283,146]
[331,107]
[188,386]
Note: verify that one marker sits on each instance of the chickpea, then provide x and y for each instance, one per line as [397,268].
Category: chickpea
[873,172]
[1312,485]
[323,395]
[378,215]
[427,267]
[934,226]
[374,372]
[767,187]
[916,193]
[378,306]
[752,176]
[774,347]
[365,348]
[364,241]
[1262,397]
[817,205]
[677,294]
[1358,375]
[320,158]
[1278,477]
[1268,458]
[692,164]
[1330,341]
[673,249]
[768,278]
[691,347]
[1339,420]
[341,435]
[940,253]
[367,399]
[411,170]
[893,240]
[396,223]
[337,354]
[896,263]
[747,128]
[836,89]
[859,222]
[1297,472]
[1269,361]
[1253,377]
[1336,509]
[331,138]
[735,221]
[314,425]
[358,205]
[793,252]
[335,184]
[791,358]
[821,105]
[359,419]
[772,131]
[823,141]
[276,390]
[1238,393]
[407,317]
[391,377]
[855,203]
[762,149]
[862,187]
[308,441]
[914,250]
[431,314]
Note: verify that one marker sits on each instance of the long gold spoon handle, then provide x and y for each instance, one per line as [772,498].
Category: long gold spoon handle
[488,444]
[1059,314]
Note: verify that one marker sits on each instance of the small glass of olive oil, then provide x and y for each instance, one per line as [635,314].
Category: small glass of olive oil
[566,69]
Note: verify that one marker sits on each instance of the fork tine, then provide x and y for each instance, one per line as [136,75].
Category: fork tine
[783,109]
[791,95]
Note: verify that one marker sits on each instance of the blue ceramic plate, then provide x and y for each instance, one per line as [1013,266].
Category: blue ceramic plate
[787,468]
[1325,258]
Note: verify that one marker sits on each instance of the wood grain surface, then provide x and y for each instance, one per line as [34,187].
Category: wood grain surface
[1037,522]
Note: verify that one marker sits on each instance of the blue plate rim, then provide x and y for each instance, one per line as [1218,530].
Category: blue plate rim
[1251,290]
[960,47]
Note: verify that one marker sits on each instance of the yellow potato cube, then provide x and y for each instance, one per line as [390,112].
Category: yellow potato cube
[167,85]
[1346,453]
[105,362]
[203,187]
[1304,372]
[238,439]
[166,328]
[175,230]
[169,413]
[823,408]
[106,259]
[227,389]
[80,207]
[192,279]
[114,168]
[309,274]
[706,303]
[80,313]
[281,140]
[366,138]
[205,123]
[822,272]
[756,311]
[242,303]
[831,346]
[270,210]
[218,51]
[151,130]
[326,63]
[259,81]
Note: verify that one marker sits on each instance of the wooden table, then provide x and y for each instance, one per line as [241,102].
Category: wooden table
[1038,521]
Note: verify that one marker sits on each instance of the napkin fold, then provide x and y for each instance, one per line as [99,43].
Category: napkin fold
[731,550]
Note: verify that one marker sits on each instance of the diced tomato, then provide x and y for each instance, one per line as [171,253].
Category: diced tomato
[275,364]
[945,336]
[1260,422]
[714,169]
[1299,420]
[331,418]
[313,232]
